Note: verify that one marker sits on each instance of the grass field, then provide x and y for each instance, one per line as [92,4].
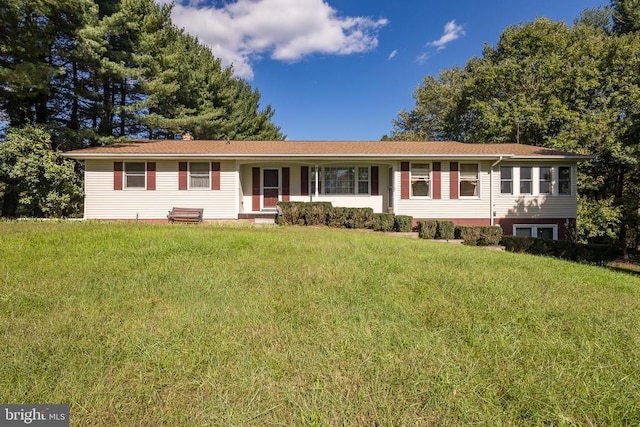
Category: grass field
[228,325]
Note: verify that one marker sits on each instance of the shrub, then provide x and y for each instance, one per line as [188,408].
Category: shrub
[595,254]
[404,223]
[350,217]
[479,235]
[315,213]
[427,229]
[292,213]
[383,222]
[445,230]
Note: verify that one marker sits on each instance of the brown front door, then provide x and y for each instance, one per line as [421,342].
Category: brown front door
[270,185]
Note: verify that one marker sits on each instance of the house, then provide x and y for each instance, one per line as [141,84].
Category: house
[527,190]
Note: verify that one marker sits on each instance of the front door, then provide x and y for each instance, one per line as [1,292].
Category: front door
[270,186]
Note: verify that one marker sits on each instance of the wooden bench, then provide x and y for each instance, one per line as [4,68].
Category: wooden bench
[185,215]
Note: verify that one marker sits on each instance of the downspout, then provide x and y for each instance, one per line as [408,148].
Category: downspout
[491,212]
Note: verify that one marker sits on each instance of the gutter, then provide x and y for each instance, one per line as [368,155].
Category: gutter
[491,210]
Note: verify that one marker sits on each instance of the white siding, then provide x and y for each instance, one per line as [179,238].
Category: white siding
[535,205]
[103,202]
[505,206]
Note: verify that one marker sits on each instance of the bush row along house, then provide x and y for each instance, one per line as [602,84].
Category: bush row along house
[527,190]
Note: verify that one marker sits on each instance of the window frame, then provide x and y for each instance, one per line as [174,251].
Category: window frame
[534,229]
[510,180]
[191,174]
[568,181]
[126,174]
[322,183]
[461,180]
[541,180]
[529,180]
[413,178]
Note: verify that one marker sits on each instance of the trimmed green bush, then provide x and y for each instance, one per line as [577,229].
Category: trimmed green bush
[581,252]
[315,213]
[350,217]
[404,223]
[427,229]
[445,230]
[292,213]
[383,222]
[479,235]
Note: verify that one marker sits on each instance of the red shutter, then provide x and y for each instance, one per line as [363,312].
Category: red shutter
[304,180]
[404,180]
[182,175]
[215,175]
[374,181]
[151,175]
[285,184]
[453,180]
[437,185]
[117,175]
[255,190]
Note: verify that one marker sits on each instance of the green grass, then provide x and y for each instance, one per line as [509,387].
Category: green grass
[227,325]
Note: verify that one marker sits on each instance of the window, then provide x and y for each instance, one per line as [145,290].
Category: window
[199,175]
[421,180]
[564,180]
[542,231]
[339,180]
[545,180]
[526,180]
[134,175]
[363,180]
[468,180]
[506,180]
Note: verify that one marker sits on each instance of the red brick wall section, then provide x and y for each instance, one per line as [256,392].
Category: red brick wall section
[182,175]
[453,180]
[117,175]
[374,181]
[437,184]
[404,180]
[285,185]
[255,189]
[304,180]
[215,175]
[151,176]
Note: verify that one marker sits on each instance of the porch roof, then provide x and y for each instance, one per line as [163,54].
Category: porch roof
[317,149]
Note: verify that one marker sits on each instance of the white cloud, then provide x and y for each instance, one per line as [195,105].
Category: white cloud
[393,54]
[422,58]
[240,33]
[452,31]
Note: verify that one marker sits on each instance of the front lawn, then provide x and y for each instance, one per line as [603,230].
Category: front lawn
[232,325]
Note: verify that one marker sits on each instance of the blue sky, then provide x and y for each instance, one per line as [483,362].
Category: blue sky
[343,69]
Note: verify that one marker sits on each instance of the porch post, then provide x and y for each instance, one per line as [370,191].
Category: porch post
[316,189]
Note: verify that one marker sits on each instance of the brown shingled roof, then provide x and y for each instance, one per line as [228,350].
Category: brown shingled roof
[239,149]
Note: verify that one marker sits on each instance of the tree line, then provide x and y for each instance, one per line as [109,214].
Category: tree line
[80,73]
[570,87]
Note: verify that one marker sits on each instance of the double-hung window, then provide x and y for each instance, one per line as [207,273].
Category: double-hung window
[564,180]
[545,180]
[363,180]
[506,180]
[420,180]
[526,180]
[469,180]
[199,176]
[134,175]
